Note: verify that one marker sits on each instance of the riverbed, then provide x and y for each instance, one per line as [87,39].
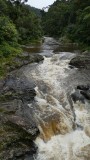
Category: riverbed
[64,124]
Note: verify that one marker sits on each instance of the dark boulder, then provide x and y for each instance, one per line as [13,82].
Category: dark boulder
[85,91]
[17,88]
[82,61]
[76,96]
[83,87]
[86,94]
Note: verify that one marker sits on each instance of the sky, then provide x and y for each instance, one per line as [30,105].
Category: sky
[40,3]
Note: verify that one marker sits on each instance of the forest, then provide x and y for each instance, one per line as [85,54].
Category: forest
[69,18]
[21,24]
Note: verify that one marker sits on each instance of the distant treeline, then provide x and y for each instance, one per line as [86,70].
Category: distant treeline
[69,18]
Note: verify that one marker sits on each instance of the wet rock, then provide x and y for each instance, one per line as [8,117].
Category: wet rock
[23,59]
[27,58]
[76,96]
[17,88]
[83,87]
[86,94]
[81,61]
[17,133]
[17,127]
[22,124]
[15,141]
[85,91]
[72,67]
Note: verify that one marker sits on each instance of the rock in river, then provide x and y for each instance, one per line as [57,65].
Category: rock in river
[81,61]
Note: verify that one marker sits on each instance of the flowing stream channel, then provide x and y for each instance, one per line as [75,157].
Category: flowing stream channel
[64,125]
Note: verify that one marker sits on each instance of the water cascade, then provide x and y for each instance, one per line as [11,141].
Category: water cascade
[64,125]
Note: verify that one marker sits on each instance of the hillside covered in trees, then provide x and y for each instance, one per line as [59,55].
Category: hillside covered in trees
[22,17]
[69,18]
[19,24]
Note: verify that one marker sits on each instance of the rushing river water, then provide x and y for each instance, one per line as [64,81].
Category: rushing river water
[64,125]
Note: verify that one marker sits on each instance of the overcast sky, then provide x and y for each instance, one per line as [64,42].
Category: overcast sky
[40,3]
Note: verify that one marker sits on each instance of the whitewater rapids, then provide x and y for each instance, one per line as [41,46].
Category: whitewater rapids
[64,125]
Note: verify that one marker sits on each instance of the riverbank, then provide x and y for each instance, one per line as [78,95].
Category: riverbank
[17,131]
[16,61]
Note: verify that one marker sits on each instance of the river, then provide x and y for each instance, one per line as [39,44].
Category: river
[64,125]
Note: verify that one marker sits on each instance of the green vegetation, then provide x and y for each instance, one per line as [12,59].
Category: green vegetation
[70,19]
[18,25]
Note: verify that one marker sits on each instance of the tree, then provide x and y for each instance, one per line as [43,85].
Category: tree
[3,7]
[56,19]
[8,38]
[8,32]
[70,18]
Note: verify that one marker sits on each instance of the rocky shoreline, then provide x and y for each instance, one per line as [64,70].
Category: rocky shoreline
[17,131]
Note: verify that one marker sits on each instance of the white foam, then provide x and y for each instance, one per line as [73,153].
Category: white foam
[53,72]
[63,147]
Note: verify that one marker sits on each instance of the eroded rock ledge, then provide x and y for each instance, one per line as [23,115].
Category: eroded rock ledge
[17,132]
[24,59]
[17,126]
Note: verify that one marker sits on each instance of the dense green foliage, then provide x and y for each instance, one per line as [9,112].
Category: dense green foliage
[23,17]
[8,32]
[8,37]
[70,18]
[19,24]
